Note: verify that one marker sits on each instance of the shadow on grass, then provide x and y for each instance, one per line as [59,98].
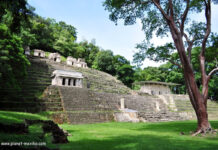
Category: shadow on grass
[182,126]
[141,142]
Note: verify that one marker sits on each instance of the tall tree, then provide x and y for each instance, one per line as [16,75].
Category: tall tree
[104,61]
[91,51]
[19,9]
[123,70]
[13,62]
[172,16]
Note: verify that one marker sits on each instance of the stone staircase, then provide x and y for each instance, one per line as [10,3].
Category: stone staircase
[90,105]
[86,106]
[52,100]
[152,109]
[184,106]
[29,98]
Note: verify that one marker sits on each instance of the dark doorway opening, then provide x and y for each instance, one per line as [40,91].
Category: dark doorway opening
[74,82]
[69,81]
[63,81]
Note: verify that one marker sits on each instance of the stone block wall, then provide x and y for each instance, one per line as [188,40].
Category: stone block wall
[28,99]
[86,106]
[95,104]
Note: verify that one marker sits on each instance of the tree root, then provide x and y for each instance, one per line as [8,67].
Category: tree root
[204,131]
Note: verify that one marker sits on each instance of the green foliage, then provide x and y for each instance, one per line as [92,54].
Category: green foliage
[152,20]
[104,61]
[124,71]
[174,75]
[65,36]
[43,31]
[150,74]
[52,36]
[154,23]
[211,63]
[159,53]
[116,65]
[13,62]
[91,51]
[20,10]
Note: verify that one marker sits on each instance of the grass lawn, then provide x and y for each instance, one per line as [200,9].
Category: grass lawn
[117,136]
[35,131]
[138,136]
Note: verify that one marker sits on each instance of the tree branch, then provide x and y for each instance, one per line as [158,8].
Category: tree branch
[204,76]
[171,8]
[161,10]
[208,18]
[212,72]
[173,62]
[186,37]
[190,45]
[205,90]
[184,16]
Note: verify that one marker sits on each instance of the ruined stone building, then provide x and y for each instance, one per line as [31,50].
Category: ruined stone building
[27,50]
[55,57]
[67,78]
[76,62]
[156,88]
[38,53]
[71,61]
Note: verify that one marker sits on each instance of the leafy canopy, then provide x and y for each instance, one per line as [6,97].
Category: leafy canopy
[153,23]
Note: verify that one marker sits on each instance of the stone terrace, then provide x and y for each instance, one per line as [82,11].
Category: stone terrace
[99,81]
[96,104]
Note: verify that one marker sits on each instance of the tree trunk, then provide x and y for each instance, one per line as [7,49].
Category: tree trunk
[199,102]
[198,99]
[203,123]
[200,106]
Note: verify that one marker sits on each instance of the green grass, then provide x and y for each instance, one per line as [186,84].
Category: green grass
[35,131]
[8,117]
[138,136]
[115,136]
[63,59]
[47,54]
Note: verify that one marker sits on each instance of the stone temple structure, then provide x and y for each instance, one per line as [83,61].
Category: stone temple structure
[71,61]
[67,78]
[38,53]
[27,50]
[55,57]
[76,62]
[156,88]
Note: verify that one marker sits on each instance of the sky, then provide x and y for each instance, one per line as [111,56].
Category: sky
[92,22]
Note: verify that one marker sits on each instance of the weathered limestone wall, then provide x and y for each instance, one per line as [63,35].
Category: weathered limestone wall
[155,89]
[182,106]
[85,106]
[98,81]
[38,53]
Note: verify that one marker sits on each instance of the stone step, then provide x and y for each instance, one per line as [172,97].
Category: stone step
[89,117]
